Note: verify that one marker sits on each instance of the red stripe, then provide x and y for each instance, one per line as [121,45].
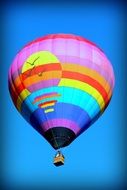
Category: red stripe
[65,36]
[45,96]
[76,76]
[53,101]
[86,79]
[48,67]
[80,77]
[41,68]
[13,95]
[20,88]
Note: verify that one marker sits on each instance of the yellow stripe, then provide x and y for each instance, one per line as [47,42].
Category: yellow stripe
[84,87]
[21,97]
[49,104]
[49,110]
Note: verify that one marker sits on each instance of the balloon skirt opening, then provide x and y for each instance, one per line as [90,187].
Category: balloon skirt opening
[59,137]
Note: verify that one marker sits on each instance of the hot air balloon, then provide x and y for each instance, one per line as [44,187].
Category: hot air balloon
[61,84]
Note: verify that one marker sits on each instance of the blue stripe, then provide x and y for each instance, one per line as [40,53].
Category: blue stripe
[68,95]
[62,111]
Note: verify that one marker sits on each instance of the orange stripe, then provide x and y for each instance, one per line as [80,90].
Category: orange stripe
[87,71]
[45,103]
[38,69]
[46,75]
[69,67]
[57,74]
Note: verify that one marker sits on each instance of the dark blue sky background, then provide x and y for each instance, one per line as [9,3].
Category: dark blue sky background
[97,157]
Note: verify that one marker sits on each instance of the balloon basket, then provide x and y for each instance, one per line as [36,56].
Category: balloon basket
[59,159]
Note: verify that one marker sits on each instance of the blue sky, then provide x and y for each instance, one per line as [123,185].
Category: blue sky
[96,158]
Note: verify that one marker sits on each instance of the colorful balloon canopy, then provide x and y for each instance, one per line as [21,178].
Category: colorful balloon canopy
[61,84]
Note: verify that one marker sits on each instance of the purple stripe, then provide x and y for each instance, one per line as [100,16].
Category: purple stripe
[43,84]
[61,122]
[83,62]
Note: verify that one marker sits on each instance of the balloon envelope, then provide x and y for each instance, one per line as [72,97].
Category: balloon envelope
[61,84]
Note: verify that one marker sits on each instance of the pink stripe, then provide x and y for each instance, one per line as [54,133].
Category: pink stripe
[60,47]
[43,84]
[61,35]
[80,51]
[60,122]
[57,46]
